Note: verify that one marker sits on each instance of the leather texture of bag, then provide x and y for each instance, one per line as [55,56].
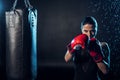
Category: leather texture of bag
[21,43]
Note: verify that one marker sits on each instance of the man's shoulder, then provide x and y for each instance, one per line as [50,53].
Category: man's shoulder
[104,44]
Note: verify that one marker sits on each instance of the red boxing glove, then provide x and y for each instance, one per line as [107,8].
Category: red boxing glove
[79,42]
[95,50]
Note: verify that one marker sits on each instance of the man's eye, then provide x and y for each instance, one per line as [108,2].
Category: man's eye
[85,31]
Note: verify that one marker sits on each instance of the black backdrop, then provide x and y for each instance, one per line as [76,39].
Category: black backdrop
[59,21]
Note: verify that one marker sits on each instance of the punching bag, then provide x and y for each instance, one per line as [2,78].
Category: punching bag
[2,47]
[32,17]
[21,48]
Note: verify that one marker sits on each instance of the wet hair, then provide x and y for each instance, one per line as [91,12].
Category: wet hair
[89,20]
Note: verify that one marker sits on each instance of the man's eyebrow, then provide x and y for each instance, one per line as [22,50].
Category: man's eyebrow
[85,30]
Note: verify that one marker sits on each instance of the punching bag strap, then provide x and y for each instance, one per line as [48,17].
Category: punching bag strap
[14,5]
[27,4]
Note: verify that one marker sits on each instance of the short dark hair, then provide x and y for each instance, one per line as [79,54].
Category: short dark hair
[89,20]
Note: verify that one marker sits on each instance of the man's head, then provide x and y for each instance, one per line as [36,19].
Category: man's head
[89,26]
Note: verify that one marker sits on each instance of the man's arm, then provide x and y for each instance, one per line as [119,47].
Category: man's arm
[97,55]
[106,52]
[103,74]
[105,64]
[78,43]
[103,67]
[67,56]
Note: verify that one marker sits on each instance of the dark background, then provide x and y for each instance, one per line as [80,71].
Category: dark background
[58,22]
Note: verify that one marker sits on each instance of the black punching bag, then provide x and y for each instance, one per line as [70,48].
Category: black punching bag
[2,47]
[32,17]
[21,49]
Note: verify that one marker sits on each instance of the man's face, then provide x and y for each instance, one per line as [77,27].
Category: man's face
[89,30]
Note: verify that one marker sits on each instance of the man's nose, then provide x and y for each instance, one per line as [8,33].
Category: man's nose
[89,34]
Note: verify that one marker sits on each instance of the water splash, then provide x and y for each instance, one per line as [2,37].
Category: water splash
[109,13]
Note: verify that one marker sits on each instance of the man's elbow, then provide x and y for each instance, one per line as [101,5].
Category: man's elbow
[66,59]
[103,67]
